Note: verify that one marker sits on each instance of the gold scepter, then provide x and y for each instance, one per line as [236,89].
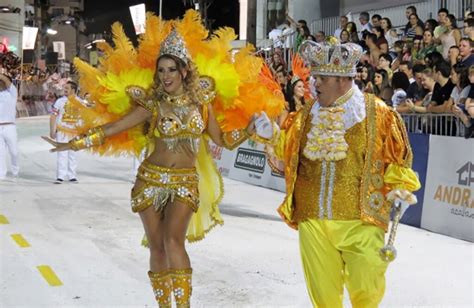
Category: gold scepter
[388,253]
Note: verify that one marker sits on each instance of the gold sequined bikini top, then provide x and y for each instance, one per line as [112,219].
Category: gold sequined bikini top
[189,123]
[177,119]
[169,125]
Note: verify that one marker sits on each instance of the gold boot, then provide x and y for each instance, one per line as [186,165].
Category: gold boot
[161,283]
[182,288]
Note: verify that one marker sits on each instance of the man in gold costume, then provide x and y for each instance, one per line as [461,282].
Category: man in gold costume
[353,160]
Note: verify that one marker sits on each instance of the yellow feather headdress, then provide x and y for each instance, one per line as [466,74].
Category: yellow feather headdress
[237,76]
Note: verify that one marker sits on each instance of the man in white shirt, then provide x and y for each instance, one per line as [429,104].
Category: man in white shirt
[343,20]
[275,36]
[62,120]
[364,19]
[8,134]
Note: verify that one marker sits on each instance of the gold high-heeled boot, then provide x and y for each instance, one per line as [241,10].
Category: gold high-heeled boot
[161,283]
[182,287]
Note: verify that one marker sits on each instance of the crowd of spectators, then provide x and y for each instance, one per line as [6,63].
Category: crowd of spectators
[424,67]
[38,88]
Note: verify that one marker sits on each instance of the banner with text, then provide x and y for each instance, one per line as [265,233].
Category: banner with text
[248,163]
[448,205]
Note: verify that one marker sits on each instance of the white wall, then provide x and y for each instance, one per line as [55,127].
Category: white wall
[304,9]
[367,5]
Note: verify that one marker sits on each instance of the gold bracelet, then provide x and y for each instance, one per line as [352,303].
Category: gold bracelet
[234,138]
[94,137]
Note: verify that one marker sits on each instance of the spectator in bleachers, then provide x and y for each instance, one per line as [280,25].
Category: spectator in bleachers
[414,29]
[302,30]
[453,55]
[466,112]
[441,28]
[276,35]
[277,63]
[381,42]
[416,47]
[282,78]
[430,24]
[320,36]
[469,28]
[397,54]
[419,106]
[344,36]
[432,58]
[440,102]
[451,36]
[385,63]
[367,77]
[465,51]
[428,46]
[352,29]
[303,33]
[364,18]
[443,88]
[390,34]
[343,20]
[406,67]
[382,87]
[400,84]
[376,18]
[460,77]
[374,50]
[416,91]
[406,51]
[409,11]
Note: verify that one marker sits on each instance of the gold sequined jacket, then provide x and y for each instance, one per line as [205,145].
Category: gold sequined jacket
[379,160]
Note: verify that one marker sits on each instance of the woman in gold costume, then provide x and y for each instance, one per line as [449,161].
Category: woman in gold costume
[177,189]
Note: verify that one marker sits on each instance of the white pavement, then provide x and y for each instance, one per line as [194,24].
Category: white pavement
[89,237]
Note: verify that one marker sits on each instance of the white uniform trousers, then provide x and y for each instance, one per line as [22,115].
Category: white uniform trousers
[67,163]
[8,141]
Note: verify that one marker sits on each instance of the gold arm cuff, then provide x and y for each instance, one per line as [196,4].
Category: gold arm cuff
[94,137]
[234,138]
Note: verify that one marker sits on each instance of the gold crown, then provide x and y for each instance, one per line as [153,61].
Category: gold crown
[174,45]
[331,59]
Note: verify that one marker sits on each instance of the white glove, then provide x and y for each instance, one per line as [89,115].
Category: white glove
[263,126]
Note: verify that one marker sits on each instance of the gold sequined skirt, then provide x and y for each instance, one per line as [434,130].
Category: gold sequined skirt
[163,185]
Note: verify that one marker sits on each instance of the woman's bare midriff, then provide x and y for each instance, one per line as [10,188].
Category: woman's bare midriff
[163,157]
[166,158]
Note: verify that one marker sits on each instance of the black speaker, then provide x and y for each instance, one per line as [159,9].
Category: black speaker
[51,58]
[28,56]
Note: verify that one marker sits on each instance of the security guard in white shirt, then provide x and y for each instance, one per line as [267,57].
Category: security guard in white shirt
[63,119]
[8,134]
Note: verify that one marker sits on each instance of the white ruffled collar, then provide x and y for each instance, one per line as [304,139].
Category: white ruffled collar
[325,139]
[354,109]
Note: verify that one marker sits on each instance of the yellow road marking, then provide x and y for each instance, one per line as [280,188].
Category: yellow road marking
[20,240]
[49,275]
[3,220]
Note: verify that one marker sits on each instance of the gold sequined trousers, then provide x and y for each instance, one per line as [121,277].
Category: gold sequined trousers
[161,185]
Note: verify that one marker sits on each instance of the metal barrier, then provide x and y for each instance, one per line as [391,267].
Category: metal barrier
[434,124]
